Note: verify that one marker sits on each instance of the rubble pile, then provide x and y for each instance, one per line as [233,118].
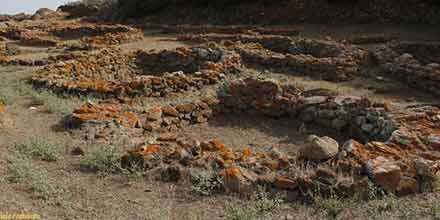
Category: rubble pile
[414,64]
[227,29]
[117,38]
[322,59]
[54,33]
[114,73]
[29,37]
[396,150]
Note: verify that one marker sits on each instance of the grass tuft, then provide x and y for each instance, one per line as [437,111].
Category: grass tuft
[333,205]
[261,206]
[205,183]
[102,159]
[40,147]
[52,103]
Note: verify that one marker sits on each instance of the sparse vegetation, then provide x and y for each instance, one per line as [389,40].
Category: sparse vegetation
[332,205]
[42,147]
[261,206]
[105,159]
[7,95]
[205,183]
[52,103]
[21,170]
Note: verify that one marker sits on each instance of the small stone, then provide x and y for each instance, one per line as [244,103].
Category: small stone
[181,154]
[275,153]
[170,111]
[78,151]
[319,148]
[350,146]
[201,119]
[282,182]
[403,137]
[152,126]
[167,137]
[154,114]
[185,108]
[433,141]
[425,168]
[368,128]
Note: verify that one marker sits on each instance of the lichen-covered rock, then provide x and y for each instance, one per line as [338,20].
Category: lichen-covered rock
[239,180]
[392,142]
[114,73]
[282,182]
[385,173]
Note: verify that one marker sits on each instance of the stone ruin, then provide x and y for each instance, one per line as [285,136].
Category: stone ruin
[62,37]
[369,142]
[319,59]
[54,35]
[113,73]
[395,150]
[226,29]
[415,64]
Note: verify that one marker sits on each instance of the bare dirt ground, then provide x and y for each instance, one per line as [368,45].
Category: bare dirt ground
[62,189]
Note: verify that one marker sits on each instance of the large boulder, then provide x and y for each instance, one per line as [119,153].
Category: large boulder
[319,148]
[45,13]
[78,9]
[385,173]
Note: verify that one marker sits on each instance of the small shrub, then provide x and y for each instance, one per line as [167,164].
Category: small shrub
[242,213]
[332,205]
[261,206]
[434,211]
[205,184]
[39,147]
[263,203]
[102,159]
[390,203]
[7,95]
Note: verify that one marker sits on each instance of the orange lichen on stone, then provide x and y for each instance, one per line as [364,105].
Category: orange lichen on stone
[228,155]
[282,182]
[150,149]
[2,108]
[132,119]
[167,137]
[217,145]
[170,111]
[105,112]
[245,154]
